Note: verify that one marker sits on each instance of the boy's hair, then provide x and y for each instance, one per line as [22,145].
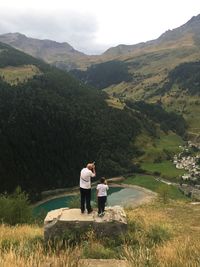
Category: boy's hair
[102,180]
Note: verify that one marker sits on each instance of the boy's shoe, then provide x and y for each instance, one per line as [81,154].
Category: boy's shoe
[99,214]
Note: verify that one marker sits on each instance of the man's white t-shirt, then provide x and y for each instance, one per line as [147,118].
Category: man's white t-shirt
[102,190]
[85,178]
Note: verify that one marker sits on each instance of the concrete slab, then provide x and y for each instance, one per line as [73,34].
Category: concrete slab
[103,263]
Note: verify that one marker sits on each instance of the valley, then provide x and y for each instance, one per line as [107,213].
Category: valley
[135,110]
[107,91]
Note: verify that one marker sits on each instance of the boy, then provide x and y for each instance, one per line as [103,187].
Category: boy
[102,196]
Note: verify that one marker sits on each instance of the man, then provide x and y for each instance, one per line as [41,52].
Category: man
[85,186]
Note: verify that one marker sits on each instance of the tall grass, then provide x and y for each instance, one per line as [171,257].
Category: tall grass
[24,246]
[158,235]
[175,230]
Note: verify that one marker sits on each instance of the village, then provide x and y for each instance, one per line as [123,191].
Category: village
[189,160]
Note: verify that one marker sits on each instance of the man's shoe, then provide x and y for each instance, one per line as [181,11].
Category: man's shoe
[90,211]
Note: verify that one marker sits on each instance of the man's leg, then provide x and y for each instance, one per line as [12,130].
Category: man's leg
[82,192]
[88,199]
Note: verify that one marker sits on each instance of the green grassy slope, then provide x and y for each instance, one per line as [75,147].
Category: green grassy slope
[18,74]
[150,183]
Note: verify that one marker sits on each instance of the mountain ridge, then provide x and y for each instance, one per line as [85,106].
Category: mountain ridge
[193,24]
[64,56]
[50,51]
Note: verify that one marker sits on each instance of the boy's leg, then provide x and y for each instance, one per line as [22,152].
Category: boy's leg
[103,203]
[99,205]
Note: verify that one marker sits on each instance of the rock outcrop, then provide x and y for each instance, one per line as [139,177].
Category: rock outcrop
[61,221]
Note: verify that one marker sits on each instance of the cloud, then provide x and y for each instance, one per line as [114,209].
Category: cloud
[76,28]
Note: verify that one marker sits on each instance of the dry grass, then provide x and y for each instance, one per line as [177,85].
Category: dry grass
[159,235]
[20,232]
[182,249]
[39,258]
[23,246]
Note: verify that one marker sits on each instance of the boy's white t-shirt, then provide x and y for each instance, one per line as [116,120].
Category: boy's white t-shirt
[102,190]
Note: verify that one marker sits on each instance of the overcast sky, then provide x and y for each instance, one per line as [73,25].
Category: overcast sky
[92,26]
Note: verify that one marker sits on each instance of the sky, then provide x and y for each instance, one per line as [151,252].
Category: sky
[92,26]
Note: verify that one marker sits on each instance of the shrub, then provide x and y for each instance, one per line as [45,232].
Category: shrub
[15,208]
[158,159]
[95,250]
[164,191]
[158,234]
[74,202]
[157,173]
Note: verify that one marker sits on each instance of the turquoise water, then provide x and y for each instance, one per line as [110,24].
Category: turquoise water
[116,196]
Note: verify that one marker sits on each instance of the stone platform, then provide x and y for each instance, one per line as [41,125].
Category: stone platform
[60,221]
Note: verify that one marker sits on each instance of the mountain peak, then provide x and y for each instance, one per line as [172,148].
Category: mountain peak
[10,37]
[194,19]
[51,51]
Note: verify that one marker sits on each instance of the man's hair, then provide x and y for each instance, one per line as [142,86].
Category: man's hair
[102,180]
[90,166]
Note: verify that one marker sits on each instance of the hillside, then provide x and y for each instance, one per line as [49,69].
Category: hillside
[51,126]
[181,93]
[150,62]
[150,68]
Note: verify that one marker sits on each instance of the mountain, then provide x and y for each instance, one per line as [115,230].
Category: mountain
[61,55]
[148,63]
[172,47]
[151,66]
[186,35]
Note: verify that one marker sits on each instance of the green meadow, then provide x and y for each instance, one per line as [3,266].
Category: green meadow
[148,182]
[166,169]
[14,75]
[159,149]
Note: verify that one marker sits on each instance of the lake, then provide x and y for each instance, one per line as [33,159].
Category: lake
[116,196]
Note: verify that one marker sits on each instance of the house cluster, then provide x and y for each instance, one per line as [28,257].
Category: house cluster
[189,163]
